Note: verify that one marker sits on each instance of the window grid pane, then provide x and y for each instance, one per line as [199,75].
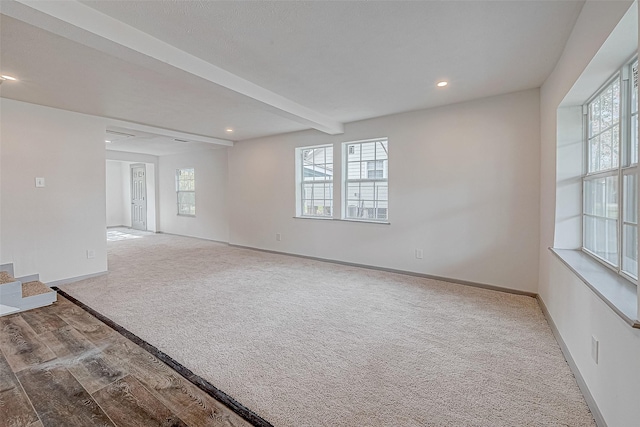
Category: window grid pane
[601,238]
[366,188]
[630,224]
[317,181]
[604,128]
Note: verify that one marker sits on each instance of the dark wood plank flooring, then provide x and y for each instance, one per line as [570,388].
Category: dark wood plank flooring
[60,366]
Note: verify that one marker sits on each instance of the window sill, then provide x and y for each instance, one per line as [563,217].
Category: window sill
[188,216]
[616,291]
[321,218]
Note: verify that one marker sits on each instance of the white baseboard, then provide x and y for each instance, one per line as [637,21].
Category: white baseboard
[588,397]
[74,279]
[393,270]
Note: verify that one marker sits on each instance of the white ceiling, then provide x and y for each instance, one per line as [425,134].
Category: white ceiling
[271,67]
[135,141]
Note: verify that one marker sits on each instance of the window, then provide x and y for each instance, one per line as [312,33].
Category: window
[610,185]
[315,181]
[375,169]
[366,194]
[186,191]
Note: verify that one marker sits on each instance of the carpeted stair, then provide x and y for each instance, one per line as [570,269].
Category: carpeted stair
[24,293]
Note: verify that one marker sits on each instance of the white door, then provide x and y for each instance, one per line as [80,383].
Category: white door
[138,197]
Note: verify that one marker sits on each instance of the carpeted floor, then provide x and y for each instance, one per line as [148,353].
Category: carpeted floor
[308,343]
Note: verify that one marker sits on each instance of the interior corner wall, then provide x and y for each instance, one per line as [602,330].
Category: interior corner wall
[151,197]
[575,310]
[463,187]
[568,231]
[49,230]
[211,220]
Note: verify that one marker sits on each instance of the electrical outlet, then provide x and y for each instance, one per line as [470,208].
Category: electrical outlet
[278,237]
[39,182]
[595,347]
[418,253]
[91,254]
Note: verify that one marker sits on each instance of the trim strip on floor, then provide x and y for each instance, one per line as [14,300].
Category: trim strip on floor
[244,412]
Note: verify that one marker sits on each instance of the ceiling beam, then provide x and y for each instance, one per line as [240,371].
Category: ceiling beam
[98,24]
[167,132]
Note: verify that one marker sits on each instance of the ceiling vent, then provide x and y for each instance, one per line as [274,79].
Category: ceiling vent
[120,134]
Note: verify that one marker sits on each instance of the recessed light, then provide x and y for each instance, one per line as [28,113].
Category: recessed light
[107,141]
[8,77]
[442,84]
[229,130]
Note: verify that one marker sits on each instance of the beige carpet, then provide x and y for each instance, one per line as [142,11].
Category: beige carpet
[308,343]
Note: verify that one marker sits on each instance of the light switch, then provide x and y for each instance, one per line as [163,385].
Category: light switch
[39,182]
[595,348]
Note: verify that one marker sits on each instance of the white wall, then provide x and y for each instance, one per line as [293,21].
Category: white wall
[211,220]
[463,185]
[116,206]
[48,230]
[568,229]
[125,174]
[576,310]
[152,202]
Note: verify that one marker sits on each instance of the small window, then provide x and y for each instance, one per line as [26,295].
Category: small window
[186,191]
[315,181]
[366,185]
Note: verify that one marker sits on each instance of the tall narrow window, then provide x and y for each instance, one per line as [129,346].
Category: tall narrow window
[186,191]
[610,185]
[630,182]
[315,181]
[366,182]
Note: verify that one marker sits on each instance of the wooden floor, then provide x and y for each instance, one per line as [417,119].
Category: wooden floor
[60,366]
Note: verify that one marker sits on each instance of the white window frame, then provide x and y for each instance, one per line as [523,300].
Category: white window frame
[300,182]
[346,181]
[178,191]
[624,168]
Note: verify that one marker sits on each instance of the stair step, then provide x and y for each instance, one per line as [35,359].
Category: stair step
[6,278]
[36,287]
[7,309]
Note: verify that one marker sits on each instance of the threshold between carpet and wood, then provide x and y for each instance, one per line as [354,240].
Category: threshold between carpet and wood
[303,342]
[59,366]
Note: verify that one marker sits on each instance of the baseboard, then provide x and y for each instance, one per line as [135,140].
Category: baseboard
[194,237]
[372,267]
[588,397]
[393,270]
[74,279]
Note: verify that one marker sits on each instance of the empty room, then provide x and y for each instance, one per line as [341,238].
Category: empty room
[319,213]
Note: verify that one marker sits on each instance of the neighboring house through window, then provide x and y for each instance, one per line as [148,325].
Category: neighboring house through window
[186,191]
[314,181]
[366,174]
